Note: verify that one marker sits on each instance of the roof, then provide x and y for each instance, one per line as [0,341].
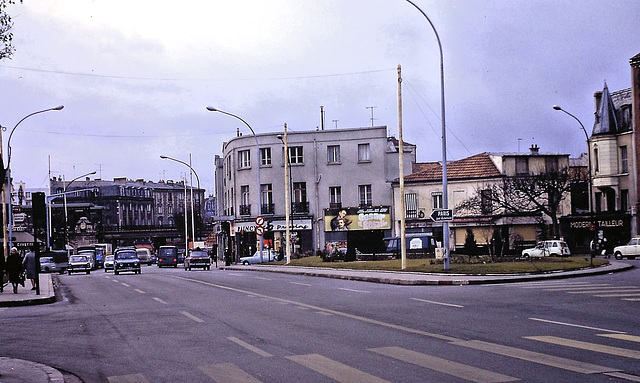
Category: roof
[606,121]
[477,166]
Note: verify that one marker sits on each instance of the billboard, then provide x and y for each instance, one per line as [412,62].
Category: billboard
[354,218]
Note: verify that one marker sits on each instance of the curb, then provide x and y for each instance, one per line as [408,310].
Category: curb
[14,370]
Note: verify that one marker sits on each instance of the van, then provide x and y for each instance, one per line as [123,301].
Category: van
[168,256]
[417,245]
[144,255]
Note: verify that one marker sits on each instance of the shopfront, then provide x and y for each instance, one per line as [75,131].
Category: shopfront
[579,231]
[274,235]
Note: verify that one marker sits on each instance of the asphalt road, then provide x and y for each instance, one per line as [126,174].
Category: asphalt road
[170,325]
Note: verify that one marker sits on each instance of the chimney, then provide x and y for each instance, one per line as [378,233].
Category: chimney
[321,117]
[534,149]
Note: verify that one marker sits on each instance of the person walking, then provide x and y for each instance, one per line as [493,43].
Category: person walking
[29,264]
[2,267]
[14,269]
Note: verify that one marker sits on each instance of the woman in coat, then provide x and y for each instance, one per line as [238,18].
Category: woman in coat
[13,267]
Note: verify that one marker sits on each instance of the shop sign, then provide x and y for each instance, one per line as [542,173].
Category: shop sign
[352,219]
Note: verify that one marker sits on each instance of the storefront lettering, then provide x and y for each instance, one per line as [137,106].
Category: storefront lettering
[611,223]
[587,224]
[372,221]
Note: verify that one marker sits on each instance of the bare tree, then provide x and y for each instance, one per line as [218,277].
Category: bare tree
[6,37]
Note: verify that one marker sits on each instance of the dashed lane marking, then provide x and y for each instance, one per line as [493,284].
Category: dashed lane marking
[300,284]
[249,347]
[125,285]
[437,303]
[192,317]
[353,290]
[160,300]
[140,291]
[459,370]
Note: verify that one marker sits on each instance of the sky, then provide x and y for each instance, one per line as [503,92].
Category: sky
[135,77]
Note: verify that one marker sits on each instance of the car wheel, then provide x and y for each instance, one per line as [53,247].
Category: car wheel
[618,255]
[88,272]
[245,263]
[69,272]
[115,272]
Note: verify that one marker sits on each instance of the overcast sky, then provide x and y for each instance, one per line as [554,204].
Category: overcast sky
[135,76]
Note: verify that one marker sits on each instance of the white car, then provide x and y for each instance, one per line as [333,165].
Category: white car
[631,250]
[551,248]
[255,258]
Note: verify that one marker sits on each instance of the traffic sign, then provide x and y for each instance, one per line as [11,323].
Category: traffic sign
[259,220]
[259,230]
[442,215]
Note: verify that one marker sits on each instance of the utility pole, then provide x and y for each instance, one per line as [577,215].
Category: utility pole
[371,107]
[403,234]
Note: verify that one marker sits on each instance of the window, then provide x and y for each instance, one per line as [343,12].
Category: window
[333,154]
[266,191]
[335,197]
[486,203]
[364,154]
[596,160]
[411,205]
[522,166]
[244,195]
[624,160]
[365,195]
[436,200]
[244,159]
[296,155]
[265,156]
[624,200]
[228,167]
[551,164]
[300,204]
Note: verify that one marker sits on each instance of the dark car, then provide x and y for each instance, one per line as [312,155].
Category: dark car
[197,258]
[126,259]
[79,264]
[168,256]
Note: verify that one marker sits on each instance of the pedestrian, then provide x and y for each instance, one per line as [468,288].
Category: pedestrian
[14,269]
[29,264]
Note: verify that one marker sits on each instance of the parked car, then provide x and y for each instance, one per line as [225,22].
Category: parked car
[79,264]
[631,250]
[197,258]
[551,248]
[47,265]
[144,255]
[108,263]
[255,258]
[126,259]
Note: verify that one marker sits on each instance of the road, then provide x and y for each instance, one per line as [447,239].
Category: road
[170,325]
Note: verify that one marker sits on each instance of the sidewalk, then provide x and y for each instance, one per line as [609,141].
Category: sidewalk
[410,278]
[24,371]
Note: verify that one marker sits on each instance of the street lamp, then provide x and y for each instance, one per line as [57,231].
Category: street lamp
[287,195]
[590,180]
[64,196]
[212,109]
[7,173]
[445,198]
[193,229]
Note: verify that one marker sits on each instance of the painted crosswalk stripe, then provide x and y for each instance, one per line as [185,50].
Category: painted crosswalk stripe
[227,373]
[249,347]
[536,357]
[608,291]
[574,287]
[626,295]
[630,338]
[634,354]
[564,285]
[437,303]
[631,299]
[192,317]
[133,378]
[576,325]
[622,375]
[335,370]
[470,373]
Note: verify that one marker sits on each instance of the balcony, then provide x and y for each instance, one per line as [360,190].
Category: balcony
[299,207]
[335,205]
[267,208]
[245,209]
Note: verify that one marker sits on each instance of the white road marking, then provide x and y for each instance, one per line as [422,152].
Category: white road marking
[577,325]
[300,284]
[618,351]
[622,375]
[630,338]
[228,373]
[353,290]
[628,295]
[192,317]
[140,291]
[249,347]
[133,378]
[160,300]
[125,285]
[335,370]
[436,303]
[262,278]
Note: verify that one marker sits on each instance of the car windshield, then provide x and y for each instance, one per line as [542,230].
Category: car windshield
[126,255]
[109,258]
[198,253]
[78,258]
[167,252]
[46,260]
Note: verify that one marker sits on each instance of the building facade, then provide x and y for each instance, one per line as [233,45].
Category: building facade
[333,172]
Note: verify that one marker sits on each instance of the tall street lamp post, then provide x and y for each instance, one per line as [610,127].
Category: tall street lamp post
[445,198]
[7,174]
[64,196]
[212,109]
[590,180]
[287,194]
[193,230]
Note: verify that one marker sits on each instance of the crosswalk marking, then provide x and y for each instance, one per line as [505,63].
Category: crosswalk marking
[588,346]
[249,347]
[133,378]
[631,299]
[627,295]
[536,357]
[608,290]
[576,325]
[227,373]
[564,285]
[581,287]
[622,375]
[630,338]
[335,370]
[444,366]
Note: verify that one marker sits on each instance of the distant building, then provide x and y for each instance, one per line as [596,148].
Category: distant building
[331,170]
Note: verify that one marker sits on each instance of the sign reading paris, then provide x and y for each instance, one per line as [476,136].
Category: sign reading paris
[442,215]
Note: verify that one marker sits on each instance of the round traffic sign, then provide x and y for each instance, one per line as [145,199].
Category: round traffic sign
[260,230]
[259,220]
